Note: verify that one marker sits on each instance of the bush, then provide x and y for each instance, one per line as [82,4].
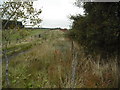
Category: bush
[98,30]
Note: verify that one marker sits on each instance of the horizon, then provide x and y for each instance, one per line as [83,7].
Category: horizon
[55,13]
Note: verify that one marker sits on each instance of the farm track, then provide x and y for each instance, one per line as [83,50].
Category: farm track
[56,61]
[54,40]
[30,40]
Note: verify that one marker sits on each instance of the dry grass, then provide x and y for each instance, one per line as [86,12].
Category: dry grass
[94,74]
[48,65]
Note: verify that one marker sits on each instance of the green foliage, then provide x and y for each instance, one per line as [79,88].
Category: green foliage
[48,65]
[36,68]
[98,30]
[18,40]
[20,11]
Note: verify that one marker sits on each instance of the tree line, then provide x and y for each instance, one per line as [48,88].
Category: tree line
[98,30]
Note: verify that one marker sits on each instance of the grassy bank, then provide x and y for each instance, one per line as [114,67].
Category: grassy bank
[48,64]
[20,40]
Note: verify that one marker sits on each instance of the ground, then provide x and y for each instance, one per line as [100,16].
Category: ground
[44,58]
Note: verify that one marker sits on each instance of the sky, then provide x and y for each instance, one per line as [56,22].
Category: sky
[56,13]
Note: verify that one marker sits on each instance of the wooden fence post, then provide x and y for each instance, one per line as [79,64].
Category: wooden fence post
[74,64]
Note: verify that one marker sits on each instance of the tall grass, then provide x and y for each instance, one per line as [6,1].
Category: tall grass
[49,65]
[96,74]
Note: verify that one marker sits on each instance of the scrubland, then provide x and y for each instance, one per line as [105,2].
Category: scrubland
[48,63]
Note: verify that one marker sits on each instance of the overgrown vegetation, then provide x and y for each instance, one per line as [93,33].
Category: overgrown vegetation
[88,58]
[49,65]
[97,32]
[98,29]
[19,40]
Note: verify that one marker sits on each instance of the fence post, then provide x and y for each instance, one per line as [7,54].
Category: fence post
[74,64]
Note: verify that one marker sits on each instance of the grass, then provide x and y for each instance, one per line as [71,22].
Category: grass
[48,64]
[17,49]
[20,40]
[20,34]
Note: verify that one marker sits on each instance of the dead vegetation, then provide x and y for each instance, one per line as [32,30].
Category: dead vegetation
[50,65]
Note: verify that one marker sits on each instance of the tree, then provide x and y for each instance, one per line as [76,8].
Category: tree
[23,11]
[98,30]
[17,11]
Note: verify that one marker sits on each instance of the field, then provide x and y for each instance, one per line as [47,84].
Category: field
[44,59]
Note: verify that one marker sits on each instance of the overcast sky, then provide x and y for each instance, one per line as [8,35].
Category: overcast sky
[55,13]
